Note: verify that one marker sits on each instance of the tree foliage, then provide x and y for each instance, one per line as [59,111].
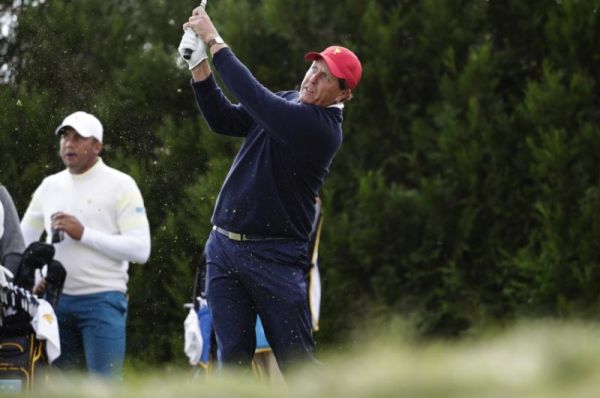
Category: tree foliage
[467,188]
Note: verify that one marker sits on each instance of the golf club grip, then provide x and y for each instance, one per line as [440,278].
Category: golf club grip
[187,53]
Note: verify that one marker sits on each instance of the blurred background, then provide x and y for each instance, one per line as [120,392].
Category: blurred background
[467,191]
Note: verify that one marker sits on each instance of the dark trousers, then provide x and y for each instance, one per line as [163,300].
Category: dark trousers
[268,278]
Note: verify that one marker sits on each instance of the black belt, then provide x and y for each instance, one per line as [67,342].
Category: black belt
[242,237]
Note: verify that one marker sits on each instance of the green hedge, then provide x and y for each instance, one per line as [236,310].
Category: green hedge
[467,189]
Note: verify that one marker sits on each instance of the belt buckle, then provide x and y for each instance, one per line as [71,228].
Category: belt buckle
[235,236]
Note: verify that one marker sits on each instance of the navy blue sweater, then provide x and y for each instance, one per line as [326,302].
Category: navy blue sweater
[276,176]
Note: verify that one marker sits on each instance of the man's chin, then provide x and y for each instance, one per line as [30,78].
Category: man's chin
[305,99]
[70,164]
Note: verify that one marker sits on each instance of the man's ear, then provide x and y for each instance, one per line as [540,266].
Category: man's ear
[97,147]
[346,95]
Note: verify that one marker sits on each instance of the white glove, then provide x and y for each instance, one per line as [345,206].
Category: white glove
[189,40]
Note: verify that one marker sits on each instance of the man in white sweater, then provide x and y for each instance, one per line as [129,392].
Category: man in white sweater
[96,218]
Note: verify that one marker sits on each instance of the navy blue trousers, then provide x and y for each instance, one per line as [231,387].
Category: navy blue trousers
[268,278]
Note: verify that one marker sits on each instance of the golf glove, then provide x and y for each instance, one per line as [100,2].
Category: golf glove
[189,40]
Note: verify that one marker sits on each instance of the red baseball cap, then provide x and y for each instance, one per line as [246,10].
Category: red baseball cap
[342,63]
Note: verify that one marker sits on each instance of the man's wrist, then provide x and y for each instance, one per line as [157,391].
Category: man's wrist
[214,40]
[201,72]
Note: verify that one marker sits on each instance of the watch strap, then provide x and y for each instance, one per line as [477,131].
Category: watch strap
[213,41]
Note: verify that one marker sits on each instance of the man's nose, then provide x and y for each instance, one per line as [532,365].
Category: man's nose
[315,77]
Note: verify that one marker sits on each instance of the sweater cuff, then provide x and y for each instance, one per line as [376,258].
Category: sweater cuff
[88,236]
[204,87]
[221,56]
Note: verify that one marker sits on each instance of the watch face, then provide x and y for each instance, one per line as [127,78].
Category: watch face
[219,40]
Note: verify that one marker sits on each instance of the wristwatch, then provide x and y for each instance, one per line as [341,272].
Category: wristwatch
[215,40]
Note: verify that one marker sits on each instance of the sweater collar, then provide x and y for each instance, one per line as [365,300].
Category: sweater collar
[99,164]
[339,105]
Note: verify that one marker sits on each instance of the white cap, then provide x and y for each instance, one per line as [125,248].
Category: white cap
[86,125]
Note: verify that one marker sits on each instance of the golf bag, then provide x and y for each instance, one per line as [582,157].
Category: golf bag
[24,317]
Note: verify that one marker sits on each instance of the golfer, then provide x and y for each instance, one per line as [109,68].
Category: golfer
[257,252]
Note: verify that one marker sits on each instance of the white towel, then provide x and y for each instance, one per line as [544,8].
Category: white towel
[45,325]
[192,338]
[314,295]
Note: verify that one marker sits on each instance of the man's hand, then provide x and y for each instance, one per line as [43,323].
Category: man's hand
[201,24]
[69,224]
[189,40]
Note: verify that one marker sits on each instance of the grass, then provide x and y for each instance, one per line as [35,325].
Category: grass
[543,359]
